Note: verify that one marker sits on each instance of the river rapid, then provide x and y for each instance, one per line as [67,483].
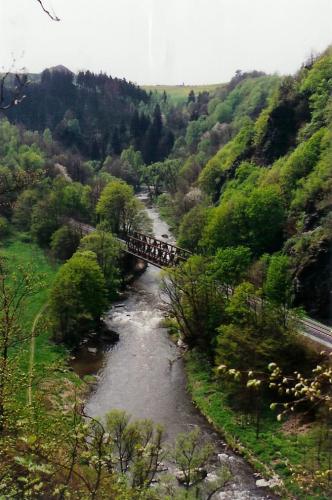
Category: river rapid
[143,373]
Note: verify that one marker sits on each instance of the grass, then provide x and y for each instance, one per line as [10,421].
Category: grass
[273,452]
[165,207]
[18,251]
[179,93]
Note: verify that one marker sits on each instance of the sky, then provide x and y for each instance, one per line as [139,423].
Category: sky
[165,41]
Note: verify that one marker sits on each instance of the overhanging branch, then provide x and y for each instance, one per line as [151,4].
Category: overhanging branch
[17,94]
[51,16]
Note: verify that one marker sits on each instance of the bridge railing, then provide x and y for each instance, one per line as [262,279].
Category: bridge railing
[154,250]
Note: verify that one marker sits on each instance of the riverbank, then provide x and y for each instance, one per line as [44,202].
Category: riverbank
[282,450]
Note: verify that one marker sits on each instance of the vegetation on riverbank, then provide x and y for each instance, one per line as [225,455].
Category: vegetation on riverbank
[287,449]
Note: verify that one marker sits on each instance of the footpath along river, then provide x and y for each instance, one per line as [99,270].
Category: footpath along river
[144,375]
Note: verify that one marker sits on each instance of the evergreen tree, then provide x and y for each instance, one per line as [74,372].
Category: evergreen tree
[116,143]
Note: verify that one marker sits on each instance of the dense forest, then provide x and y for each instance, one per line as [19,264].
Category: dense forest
[94,114]
[242,174]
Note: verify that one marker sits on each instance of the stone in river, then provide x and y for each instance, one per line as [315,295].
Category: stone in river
[212,477]
[109,335]
[223,457]
[164,235]
[269,483]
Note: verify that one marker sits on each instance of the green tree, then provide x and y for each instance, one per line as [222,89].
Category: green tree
[135,447]
[47,137]
[59,201]
[196,302]
[194,132]
[192,226]
[23,209]
[107,250]
[113,203]
[74,200]
[191,456]
[230,264]
[121,169]
[161,176]
[64,242]
[278,284]
[30,158]
[255,331]
[301,162]
[134,160]
[255,220]
[118,207]
[45,220]
[78,297]
[214,174]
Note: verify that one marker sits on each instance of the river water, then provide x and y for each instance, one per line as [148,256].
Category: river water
[144,374]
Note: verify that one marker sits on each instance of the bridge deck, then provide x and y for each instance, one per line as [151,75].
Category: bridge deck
[155,251]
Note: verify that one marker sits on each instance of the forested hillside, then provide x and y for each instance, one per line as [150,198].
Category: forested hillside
[255,170]
[242,174]
[93,114]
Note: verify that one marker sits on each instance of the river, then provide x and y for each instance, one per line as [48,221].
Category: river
[144,374]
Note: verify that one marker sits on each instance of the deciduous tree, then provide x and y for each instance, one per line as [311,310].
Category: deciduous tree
[107,250]
[78,297]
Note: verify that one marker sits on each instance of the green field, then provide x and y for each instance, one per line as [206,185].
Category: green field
[180,93]
[30,256]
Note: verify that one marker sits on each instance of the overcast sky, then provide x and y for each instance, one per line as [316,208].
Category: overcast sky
[165,41]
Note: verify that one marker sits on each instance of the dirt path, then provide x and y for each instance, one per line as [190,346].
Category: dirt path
[32,351]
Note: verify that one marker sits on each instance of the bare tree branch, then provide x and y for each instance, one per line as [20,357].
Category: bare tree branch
[51,16]
[21,81]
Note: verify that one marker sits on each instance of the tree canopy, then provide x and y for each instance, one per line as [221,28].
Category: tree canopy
[78,297]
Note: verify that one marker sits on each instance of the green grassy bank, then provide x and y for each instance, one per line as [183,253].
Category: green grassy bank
[20,252]
[278,449]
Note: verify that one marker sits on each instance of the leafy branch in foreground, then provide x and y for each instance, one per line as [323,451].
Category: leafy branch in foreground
[304,395]
[315,390]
